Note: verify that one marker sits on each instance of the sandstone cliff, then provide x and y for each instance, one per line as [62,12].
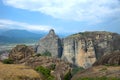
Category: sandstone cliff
[51,43]
[81,49]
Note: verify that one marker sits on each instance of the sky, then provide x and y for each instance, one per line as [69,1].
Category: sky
[65,16]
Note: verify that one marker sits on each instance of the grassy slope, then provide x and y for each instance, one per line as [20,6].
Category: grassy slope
[17,72]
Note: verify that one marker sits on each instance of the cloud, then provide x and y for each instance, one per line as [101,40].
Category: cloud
[76,10]
[9,24]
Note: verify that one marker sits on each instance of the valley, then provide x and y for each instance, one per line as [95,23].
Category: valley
[7,47]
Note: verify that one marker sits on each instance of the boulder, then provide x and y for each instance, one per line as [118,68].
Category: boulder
[112,59]
[20,52]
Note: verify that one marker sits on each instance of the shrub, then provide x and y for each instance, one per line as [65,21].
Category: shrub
[111,65]
[45,72]
[38,54]
[68,76]
[8,61]
[51,78]
[76,69]
[46,53]
[52,66]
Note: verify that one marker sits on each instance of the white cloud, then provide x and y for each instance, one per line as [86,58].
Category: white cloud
[76,10]
[9,24]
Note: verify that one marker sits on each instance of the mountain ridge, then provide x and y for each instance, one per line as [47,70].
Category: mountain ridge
[19,36]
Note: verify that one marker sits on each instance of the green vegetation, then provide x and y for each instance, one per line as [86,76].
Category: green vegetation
[99,78]
[68,76]
[38,54]
[8,61]
[52,66]
[111,65]
[45,72]
[77,69]
[46,53]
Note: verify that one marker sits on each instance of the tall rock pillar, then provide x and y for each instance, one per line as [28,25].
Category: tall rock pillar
[51,43]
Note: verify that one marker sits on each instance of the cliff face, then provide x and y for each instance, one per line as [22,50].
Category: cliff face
[81,49]
[51,43]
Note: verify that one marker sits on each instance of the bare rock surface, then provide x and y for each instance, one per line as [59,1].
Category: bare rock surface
[81,49]
[109,59]
[21,52]
[51,43]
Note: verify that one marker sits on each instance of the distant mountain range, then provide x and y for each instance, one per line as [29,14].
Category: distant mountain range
[19,36]
[22,36]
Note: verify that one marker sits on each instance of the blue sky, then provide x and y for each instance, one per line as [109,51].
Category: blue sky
[69,16]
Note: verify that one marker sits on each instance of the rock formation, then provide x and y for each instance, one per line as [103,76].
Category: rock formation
[107,66]
[112,59]
[81,49]
[20,52]
[61,67]
[51,43]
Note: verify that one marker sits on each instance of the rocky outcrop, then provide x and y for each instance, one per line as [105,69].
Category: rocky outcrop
[60,67]
[83,49]
[25,55]
[107,66]
[51,43]
[109,59]
[20,52]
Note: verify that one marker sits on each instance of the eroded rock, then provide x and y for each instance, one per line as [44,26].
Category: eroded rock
[51,43]
[21,52]
[112,59]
